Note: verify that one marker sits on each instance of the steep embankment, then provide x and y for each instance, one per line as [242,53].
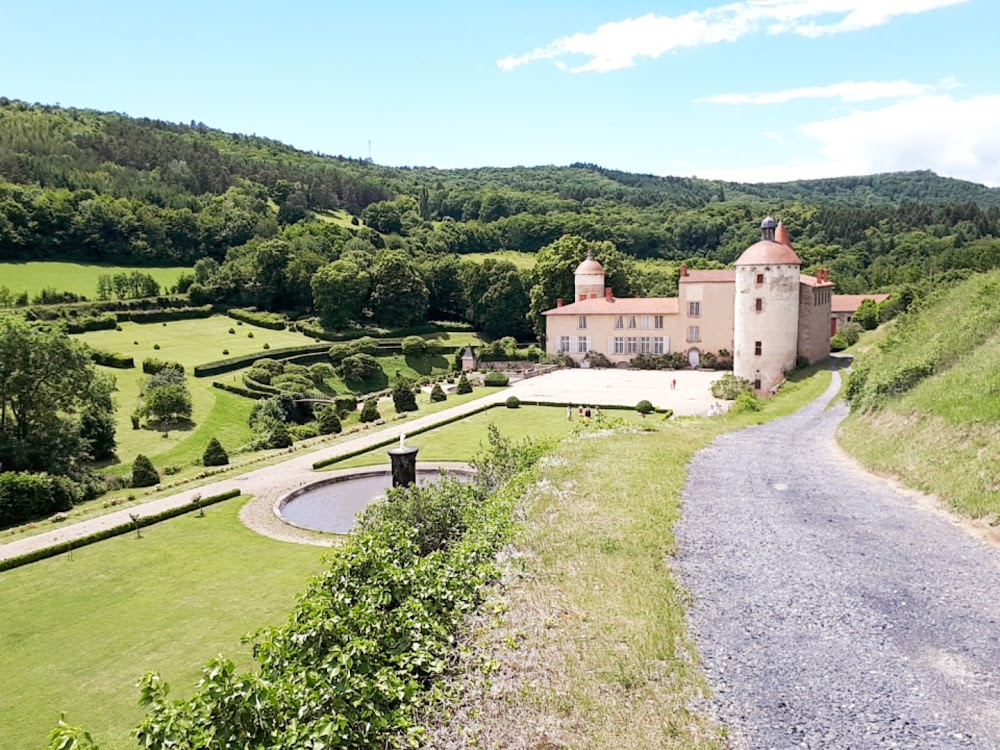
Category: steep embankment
[926,400]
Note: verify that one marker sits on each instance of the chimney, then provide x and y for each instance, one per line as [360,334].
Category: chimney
[609,294]
[559,302]
[684,269]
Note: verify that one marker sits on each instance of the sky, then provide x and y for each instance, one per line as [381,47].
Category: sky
[752,90]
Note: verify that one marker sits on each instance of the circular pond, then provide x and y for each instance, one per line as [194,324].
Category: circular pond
[333,505]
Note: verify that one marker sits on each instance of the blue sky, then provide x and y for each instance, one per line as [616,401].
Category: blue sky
[749,90]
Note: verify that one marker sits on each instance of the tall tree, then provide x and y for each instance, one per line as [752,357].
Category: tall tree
[399,298]
[340,290]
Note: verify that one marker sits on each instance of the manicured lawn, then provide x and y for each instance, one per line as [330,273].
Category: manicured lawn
[77,632]
[73,277]
[523,261]
[462,440]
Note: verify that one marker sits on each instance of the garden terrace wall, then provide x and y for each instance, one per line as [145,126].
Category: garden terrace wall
[237,363]
[125,528]
[241,391]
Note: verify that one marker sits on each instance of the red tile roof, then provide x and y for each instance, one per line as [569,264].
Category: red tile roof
[813,281]
[714,276]
[626,306]
[849,303]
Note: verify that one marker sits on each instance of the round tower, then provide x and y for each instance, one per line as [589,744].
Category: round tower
[589,277]
[766,315]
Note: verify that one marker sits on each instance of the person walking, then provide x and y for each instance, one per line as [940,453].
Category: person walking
[569,413]
[673,384]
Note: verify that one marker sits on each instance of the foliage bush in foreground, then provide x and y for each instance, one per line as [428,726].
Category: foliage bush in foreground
[644,407]
[513,403]
[746,401]
[365,650]
[370,412]
[495,379]
[729,387]
[24,497]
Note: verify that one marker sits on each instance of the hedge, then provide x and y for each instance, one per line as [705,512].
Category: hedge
[311,329]
[161,315]
[112,359]
[236,363]
[271,321]
[106,322]
[125,528]
[24,497]
[256,385]
[240,391]
[151,366]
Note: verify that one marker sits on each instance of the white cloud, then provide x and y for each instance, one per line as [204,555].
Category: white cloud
[619,44]
[956,138]
[846,91]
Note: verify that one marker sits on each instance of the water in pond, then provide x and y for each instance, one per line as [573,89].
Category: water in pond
[334,507]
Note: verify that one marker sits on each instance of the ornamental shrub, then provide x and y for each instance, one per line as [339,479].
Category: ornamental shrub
[495,379]
[143,472]
[329,422]
[597,359]
[729,387]
[866,315]
[403,397]
[370,412]
[366,345]
[838,343]
[437,393]
[513,403]
[24,496]
[414,346]
[215,454]
[359,367]
[644,407]
[746,401]
[339,352]
[279,437]
[464,386]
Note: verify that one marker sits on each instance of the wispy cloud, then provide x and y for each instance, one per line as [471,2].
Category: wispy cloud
[846,91]
[954,137]
[617,45]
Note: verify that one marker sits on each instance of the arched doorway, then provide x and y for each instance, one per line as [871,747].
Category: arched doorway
[694,358]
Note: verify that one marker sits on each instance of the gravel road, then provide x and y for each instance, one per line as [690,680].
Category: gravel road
[831,609]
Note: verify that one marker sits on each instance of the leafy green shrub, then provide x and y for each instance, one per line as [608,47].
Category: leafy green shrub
[304,431]
[866,315]
[272,321]
[359,367]
[414,346]
[249,334]
[266,345]
[729,387]
[464,386]
[320,372]
[597,359]
[801,362]
[225,352]
[651,362]
[143,472]
[345,405]
[232,330]
[329,421]
[370,412]
[644,407]
[402,396]
[495,379]
[215,454]
[152,366]
[112,359]
[156,347]
[513,402]
[746,401]
[438,394]
[838,343]
[851,332]
[25,497]
[279,437]
[366,345]
[339,352]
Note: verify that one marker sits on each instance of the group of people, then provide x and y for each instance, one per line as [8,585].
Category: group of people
[583,412]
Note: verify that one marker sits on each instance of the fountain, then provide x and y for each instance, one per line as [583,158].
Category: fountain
[404,463]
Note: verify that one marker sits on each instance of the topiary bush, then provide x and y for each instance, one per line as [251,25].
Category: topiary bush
[644,407]
[403,397]
[437,393]
[143,472]
[329,421]
[370,412]
[729,386]
[464,386]
[513,403]
[414,346]
[215,454]
[359,367]
[279,437]
[339,352]
[495,379]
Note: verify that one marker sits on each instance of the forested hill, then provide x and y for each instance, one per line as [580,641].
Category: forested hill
[107,187]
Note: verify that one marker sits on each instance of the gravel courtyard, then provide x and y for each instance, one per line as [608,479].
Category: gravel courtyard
[625,388]
[832,610]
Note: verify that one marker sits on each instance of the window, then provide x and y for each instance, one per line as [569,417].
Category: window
[619,347]
[583,345]
[658,321]
[644,322]
[563,344]
[760,278]
[631,345]
[658,345]
[631,321]
[757,348]
[619,322]
[694,309]
[583,321]
[756,384]
[645,345]
[758,305]
[694,333]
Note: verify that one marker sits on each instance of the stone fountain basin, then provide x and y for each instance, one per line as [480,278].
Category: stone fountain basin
[333,504]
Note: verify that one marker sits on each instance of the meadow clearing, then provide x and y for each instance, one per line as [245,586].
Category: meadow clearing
[79,278]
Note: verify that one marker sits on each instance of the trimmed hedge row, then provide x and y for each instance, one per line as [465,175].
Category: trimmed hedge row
[256,385]
[271,321]
[112,359]
[241,391]
[151,366]
[106,322]
[125,528]
[237,363]
[25,497]
[311,329]
[164,315]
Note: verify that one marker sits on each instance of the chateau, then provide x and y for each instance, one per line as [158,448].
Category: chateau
[764,311]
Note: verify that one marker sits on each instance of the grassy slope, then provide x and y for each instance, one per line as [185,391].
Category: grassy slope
[72,277]
[523,261]
[77,632]
[942,436]
[593,650]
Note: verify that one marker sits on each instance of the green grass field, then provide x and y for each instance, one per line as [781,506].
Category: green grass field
[77,632]
[340,218]
[523,261]
[78,278]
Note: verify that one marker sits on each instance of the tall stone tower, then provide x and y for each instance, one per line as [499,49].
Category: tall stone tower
[589,277]
[766,315]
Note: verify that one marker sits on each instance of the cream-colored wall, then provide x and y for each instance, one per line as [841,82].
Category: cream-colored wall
[601,328]
[715,321]
[588,286]
[775,326]
[814,323]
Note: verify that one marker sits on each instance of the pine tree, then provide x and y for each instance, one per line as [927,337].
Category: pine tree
[437,393]
[215,454]
[370,412]
[403,397]
[279,438]
[329,422]
[464,386]
[143,472]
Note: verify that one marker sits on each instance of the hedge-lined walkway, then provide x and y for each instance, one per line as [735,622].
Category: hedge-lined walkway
[266,485]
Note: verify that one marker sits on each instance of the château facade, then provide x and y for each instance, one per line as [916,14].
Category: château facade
[765,312]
